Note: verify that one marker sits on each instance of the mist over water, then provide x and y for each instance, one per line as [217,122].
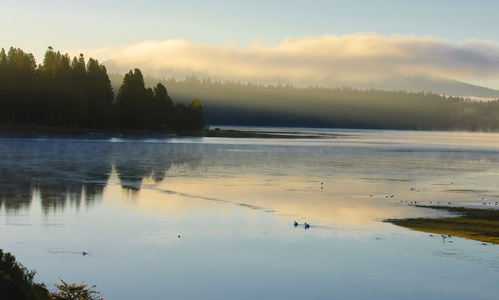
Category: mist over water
[211,218]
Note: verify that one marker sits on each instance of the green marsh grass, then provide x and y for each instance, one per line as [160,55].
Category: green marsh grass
[470,223]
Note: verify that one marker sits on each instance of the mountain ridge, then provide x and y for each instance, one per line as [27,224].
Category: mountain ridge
[434,84]
[438,85]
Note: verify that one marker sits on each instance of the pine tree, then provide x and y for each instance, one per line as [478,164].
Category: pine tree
[131,101]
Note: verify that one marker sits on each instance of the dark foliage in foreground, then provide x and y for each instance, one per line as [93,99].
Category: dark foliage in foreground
[17,283]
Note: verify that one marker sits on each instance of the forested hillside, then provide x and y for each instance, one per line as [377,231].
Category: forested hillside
[73,93]
[229,103]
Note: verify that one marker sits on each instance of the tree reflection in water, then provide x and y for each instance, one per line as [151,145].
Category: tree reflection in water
[68,171]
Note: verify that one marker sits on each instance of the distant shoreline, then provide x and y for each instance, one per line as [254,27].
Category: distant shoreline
[36,130]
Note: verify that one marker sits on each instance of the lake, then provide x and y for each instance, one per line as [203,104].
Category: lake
[212,218]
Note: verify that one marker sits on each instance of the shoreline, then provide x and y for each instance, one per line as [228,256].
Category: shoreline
[36,130]
[479,224]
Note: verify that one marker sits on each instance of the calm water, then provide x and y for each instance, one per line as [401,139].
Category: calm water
[208,218]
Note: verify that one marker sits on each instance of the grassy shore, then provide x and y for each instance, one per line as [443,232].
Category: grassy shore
[475,224]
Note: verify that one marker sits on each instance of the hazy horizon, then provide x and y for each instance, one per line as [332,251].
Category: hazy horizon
[322,43]
[416,83]
[358,60]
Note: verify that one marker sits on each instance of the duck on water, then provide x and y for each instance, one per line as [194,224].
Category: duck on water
[305,225]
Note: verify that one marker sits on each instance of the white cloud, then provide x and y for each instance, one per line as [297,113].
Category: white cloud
[326,60]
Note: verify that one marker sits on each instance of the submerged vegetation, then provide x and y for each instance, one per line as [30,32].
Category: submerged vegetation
[475,224]
[73,93]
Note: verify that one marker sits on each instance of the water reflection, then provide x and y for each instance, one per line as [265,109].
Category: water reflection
[233,202]
[61,171]
[54,171]
[346,181]
[134,163]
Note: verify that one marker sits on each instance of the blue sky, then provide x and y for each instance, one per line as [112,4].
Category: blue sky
[100,29]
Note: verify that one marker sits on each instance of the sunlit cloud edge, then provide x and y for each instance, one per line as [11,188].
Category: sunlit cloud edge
[326,60]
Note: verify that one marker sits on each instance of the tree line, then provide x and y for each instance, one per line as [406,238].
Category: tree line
[235,103]
[74,93]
